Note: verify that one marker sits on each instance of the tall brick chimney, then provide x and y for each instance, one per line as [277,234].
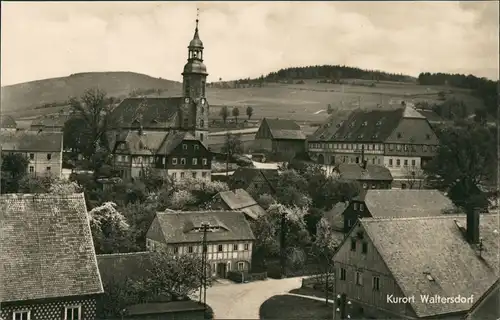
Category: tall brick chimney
[472,229]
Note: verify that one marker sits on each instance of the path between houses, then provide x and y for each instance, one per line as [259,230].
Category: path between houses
[243,301]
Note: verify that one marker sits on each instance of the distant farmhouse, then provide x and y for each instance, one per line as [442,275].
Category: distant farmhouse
[254,180]
[370,176]
[281,138]
[42,149]
[49,266]
[400,139]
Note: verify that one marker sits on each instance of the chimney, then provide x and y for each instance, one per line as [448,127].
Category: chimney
[472,229]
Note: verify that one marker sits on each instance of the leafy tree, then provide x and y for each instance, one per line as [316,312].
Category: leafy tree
[75,136]
[224,113]
[13,168]
[291,189]
[34,184]
[249,112]
[414,177]
[235,113]
[324,248]
[265,201]
[182,200]
[177,277]
[465,160]
[110,229]
[140,216]
[94,109]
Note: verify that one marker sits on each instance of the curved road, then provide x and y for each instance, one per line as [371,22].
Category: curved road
[243,301]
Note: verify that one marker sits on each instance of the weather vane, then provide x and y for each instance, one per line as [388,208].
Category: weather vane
[197,16]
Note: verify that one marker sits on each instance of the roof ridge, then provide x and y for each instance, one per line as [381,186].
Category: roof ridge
[106,255]
[75,195]
[379,219]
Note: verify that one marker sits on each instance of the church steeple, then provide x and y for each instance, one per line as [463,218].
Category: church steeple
[195,72]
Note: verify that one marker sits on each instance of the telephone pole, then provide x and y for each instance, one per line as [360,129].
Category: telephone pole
[283,244]
[205,226]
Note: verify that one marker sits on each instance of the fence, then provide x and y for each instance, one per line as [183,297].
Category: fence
[244,276]
[318,281]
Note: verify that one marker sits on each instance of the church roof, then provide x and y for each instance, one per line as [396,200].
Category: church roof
[148,111]
[196,42]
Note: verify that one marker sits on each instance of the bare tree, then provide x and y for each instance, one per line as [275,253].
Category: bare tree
[414,177]
[94,109]
[236,114]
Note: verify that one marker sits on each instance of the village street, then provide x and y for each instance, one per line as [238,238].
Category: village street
[243,301]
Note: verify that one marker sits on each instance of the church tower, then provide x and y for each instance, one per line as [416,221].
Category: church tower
[194,113]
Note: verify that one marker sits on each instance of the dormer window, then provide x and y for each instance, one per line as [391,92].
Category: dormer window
[428,136]
[365,124]
[400,135]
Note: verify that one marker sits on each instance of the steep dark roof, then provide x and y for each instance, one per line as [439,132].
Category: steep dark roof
[326,131]
[241,200]
[430,256]
[7,122]
[487,307]
[46,247]
[180,226]
[32,141]
[284,129]
[354,171]
[369,125]
[122,266]
[406,203]
[245,175]
[147,110]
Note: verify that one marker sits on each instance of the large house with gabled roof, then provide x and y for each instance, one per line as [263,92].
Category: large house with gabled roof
[176,154]
[49,266]
[252,180]
[280,137]
[387,267]
[400,139]
[42,149]
[229,238]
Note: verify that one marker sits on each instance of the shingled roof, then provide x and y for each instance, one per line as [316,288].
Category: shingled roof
[148,111]
[152,142]
[46,247]
[328,129]
[244,176]
[487,306]
[121,266]
[430,256]
[284,129]
[372,172]
[32,141]
[406,203]
[185,226]
[241,200]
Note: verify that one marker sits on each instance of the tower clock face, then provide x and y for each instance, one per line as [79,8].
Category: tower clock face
[186,100]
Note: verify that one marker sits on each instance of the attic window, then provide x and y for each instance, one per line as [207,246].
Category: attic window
[375,136]
[322,136]
[360,136]
[379,123]
[209,229]
[365,124]
[429,277]
[399,135]
[428,136]
[352,124]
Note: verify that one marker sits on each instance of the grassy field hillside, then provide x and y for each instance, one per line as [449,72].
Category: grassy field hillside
[19,98]
[305,103]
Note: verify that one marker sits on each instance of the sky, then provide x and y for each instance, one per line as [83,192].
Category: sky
[42,40]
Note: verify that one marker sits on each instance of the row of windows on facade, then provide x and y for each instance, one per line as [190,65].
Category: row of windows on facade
[151,160]
[358,278]
[220,248]
[194,174]
[32,156]
[398,163]
[70,313]
[32,169]
[368,147]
